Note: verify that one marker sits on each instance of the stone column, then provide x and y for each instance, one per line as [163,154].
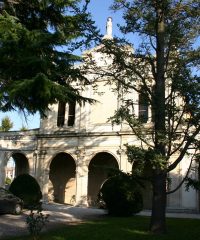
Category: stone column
[2,168]
[81,185]
[42,173]
[32,163]
[81,179]
[45,185]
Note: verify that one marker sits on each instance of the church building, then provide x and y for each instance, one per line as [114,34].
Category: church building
[71,152]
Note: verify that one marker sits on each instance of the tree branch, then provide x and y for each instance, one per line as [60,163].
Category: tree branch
[183,180]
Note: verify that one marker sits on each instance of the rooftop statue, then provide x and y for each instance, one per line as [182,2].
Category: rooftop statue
[108,29]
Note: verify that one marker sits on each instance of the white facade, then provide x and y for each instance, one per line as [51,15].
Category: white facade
[61,158]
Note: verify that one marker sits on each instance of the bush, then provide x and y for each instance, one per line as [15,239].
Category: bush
[36,221]
[27,188]
[8,181]
[121,195]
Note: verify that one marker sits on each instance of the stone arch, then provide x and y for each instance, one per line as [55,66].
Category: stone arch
[99,168]
[21,163]
[62,178]
[14,164]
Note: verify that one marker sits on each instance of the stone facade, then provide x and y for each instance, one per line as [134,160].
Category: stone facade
[69,161]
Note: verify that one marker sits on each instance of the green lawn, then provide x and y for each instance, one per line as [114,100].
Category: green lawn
[123,229]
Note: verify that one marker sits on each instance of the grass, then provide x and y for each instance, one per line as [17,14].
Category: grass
[132,228]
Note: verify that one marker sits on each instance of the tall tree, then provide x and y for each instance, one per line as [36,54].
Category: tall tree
[37,40]
[163,72]
[6,124]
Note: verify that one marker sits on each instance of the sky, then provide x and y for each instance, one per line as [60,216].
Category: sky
[100,12]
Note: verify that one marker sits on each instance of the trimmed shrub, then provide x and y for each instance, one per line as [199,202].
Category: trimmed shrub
[121,195]
[27,188]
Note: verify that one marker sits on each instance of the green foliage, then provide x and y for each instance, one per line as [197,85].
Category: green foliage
[37,41]
[26,187]
[135,153]
[192,183]
[8,181]
[23,128]
[36,221]
[6,124]
[122,196]
[143,157]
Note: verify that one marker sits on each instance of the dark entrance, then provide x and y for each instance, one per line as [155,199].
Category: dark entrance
[99,169]
[62,176]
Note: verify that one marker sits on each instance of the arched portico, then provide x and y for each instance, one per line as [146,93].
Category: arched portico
[99,169]
[62,179]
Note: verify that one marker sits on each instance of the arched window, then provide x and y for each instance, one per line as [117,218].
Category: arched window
[61,114]
[143,108]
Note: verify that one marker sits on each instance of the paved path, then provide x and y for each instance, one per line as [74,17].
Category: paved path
[11,225]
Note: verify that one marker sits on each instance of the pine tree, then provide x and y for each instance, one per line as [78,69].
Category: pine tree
[37,40]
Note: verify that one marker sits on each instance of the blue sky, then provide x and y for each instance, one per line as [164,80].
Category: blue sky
[100,11]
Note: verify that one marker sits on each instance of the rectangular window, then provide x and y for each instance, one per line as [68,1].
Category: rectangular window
[71,114]
[143,109]
[61,114]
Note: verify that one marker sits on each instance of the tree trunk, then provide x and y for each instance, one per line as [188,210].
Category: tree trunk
[199,180]
[158,221]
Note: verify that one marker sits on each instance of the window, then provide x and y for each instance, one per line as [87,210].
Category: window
[61,114]
[71,114]
[143,108]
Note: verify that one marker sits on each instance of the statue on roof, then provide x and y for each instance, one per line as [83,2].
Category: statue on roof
[108,28]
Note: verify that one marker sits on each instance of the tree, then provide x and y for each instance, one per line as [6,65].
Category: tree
[23,128]
[37,40]
[6,124]
[163,72]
